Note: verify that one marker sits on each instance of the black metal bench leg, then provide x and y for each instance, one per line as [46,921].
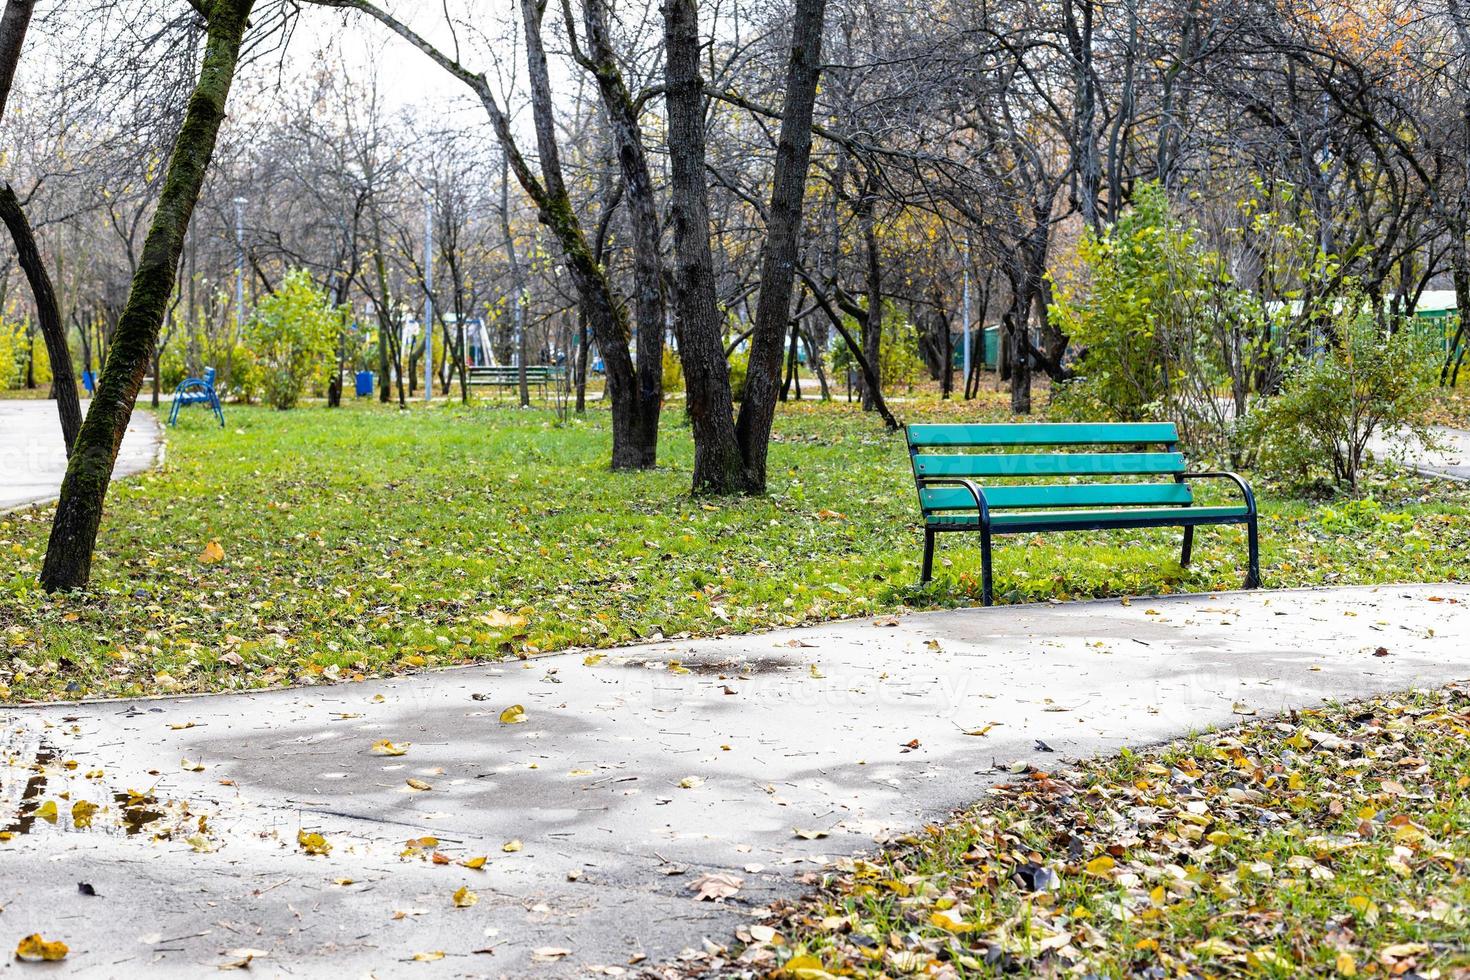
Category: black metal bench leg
[987,596]
[1253,556]
[1188,550]
[928,570]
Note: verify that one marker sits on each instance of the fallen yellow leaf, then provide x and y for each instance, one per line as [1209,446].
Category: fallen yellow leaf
[212,553]
[384,747]
[33,947]
[513,715]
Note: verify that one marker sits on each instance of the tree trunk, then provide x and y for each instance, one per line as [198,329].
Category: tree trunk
[648,297]
[13,25]
[873,324]
[68,563]
[718,465]
[53,331]
[780,250]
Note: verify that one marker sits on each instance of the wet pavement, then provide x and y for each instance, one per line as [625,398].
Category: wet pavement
[632,778]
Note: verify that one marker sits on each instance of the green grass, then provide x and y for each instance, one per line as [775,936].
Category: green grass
[366,541]
[1334,843]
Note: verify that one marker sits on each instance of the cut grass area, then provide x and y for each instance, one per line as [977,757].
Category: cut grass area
[367,540]
[1331,842]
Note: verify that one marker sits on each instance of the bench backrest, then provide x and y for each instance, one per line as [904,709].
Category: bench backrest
[1114,455]
[512,372]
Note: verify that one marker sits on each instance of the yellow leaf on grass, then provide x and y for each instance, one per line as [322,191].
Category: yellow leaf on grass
[33,947]
[212,553]
[313,843]
[384,747]
[806,967]
[513,715]
[498,619]
[1100,865]
[1346,965]
[942,921]
[464,898]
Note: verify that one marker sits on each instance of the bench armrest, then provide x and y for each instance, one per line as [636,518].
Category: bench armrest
[982,508]
[1235,478]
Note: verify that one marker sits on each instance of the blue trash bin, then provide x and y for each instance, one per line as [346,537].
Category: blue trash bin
[364,384]
[89,381]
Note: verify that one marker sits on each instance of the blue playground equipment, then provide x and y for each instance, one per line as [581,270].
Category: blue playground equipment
[197,391]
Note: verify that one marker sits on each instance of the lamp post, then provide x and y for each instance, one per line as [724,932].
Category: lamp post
[965,316]
[428,296]
[239,261]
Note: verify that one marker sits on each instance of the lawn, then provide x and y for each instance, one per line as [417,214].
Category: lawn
[366,541]
[1333,842]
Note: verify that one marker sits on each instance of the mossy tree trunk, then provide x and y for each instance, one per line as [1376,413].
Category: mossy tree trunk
[68,563]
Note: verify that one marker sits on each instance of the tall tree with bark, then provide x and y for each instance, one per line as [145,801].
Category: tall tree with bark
[635,436]
[732,457]
[68,562]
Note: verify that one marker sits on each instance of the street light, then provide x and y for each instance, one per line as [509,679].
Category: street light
[239,261]
[965,317]
[428,296]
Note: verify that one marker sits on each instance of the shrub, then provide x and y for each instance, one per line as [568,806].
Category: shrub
[12,353]
[291,337]
[739,364]
[673,371]
[1367,382]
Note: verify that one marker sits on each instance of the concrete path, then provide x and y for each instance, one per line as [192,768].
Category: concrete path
[634,777]
[33,460]
[1451,459]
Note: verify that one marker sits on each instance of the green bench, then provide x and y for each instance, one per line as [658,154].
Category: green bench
[509,376]
[990,479]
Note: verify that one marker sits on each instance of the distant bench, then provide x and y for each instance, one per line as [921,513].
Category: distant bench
[956,468]
[509,376]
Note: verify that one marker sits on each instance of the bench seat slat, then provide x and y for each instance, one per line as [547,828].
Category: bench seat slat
[1060,495]
[1049,464]
[1086,519]
[1043,434]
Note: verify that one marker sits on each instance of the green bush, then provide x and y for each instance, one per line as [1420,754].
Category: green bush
[291,338]
[899,362]
[12,353]
[1368,382]
[673,370]
[739,364]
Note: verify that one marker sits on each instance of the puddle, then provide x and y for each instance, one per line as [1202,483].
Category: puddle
[730,667]
[30,797]
[135,811]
